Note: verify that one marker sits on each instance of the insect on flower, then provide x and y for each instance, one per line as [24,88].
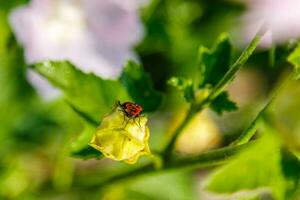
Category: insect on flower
[131,110]
[123,143]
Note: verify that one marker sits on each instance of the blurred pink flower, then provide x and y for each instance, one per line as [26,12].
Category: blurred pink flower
[95,35]
[282,18]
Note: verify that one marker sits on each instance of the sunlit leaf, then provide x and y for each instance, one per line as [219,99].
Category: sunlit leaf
[259,166]
[86,92]
[176,185]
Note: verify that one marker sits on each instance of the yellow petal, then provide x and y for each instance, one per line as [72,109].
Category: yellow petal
[121,138]
[145,151]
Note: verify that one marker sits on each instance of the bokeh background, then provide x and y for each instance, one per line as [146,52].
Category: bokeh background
[37,126]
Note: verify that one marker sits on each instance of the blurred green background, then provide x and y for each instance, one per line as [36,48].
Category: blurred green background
[35,135]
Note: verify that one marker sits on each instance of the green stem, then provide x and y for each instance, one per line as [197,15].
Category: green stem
[251,130]
[211,158]
[237,65]
[208,159]
[229,76]
[169,147]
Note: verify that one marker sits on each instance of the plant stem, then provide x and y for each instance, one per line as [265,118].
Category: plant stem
[251,130]
[211,158]
[229,76]
[169,147]
[236,66]
[208,159]
[248,133]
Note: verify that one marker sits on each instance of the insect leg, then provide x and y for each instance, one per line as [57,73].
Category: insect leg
[140,122]
[137,123]
[126,123]
[119,103]
[123,119]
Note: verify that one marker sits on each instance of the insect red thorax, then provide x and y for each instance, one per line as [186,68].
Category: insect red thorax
[132,110]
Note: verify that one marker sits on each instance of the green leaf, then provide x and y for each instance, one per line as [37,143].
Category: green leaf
[8,5]
[87,153]
[223,103]
[184,85]
[254,197]
[294,59]
[87,93]
[215,62]
[140,87]
[291,170]
[176,185]
[84,115]
[258,166]
[80,147]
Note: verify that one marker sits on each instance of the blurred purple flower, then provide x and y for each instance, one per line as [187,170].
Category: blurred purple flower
[96,35]
[282,18]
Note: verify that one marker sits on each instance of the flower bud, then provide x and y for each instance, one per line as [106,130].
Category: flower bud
[199,135]
[122,138]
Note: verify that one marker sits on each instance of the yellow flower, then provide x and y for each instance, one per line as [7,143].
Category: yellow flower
[119,141]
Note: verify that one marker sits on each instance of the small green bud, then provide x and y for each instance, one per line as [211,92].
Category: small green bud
[202,94]
[122,138]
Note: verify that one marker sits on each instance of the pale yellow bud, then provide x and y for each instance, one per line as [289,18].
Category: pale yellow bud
[200,134]
[121,138]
